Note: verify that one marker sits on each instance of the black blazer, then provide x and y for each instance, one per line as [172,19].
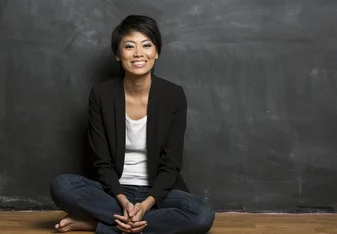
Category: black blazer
[166,124]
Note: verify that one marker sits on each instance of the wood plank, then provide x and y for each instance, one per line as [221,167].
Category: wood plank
[12,222]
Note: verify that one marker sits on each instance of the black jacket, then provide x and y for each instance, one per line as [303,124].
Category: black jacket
[166,124]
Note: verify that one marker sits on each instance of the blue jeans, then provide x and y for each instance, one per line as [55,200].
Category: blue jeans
[85,199]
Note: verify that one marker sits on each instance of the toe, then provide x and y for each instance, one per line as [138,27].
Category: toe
[64,222]
[64,229]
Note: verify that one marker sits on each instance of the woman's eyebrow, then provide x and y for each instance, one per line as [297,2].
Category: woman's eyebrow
[135,42]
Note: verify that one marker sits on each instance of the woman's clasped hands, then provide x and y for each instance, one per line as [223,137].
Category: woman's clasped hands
[131,221]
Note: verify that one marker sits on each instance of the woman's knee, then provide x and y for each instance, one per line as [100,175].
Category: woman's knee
[205,218]
[63,184]
[203,214]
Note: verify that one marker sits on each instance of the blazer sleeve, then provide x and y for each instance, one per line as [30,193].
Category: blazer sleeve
[102,160]
[172,158]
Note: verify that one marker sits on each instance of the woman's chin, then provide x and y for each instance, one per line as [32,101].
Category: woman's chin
[138,73]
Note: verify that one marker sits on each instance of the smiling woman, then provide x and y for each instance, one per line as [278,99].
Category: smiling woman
[137,54]
[136,132]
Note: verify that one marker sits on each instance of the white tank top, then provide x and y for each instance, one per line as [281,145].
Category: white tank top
[135,166]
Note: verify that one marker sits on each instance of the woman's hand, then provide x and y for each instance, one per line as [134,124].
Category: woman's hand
[138,212]
[140,209]
[131,222]
[125,223]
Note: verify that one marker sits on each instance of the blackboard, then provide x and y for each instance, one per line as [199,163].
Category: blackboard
[260,77]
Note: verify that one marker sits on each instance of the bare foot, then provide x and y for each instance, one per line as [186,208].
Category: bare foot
[68,224]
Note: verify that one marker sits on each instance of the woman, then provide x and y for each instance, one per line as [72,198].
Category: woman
[136,132]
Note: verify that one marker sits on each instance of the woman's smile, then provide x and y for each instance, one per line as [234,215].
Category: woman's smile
[138,63]
[137,54]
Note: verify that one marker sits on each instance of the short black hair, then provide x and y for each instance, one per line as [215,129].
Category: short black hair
[138,23]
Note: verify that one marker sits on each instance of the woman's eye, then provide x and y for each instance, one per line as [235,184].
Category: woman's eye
[147,45]
[128,46]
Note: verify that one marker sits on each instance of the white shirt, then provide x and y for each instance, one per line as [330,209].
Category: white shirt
[135,166]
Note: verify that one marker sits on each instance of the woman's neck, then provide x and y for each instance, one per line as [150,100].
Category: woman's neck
[137,85]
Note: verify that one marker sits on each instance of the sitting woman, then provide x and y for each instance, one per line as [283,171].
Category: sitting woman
[136,132]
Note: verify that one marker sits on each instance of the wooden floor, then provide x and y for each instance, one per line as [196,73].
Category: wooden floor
[234,223]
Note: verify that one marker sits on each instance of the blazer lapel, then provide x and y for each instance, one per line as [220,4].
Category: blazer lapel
[120,124]
[152,113]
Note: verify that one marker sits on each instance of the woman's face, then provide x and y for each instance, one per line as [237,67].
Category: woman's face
[137,54]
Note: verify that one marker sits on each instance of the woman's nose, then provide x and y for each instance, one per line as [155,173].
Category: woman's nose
[138,52]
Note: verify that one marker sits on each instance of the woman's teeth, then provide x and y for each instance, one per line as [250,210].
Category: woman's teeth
[139,63]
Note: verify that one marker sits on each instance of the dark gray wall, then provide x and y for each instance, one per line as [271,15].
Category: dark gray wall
[260,77]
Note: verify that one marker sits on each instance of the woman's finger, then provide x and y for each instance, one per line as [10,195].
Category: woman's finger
[122,218]
[137,224]
[138,216]
[123,225]
[129,208]
[135,210]
[138,230]
[123,230]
